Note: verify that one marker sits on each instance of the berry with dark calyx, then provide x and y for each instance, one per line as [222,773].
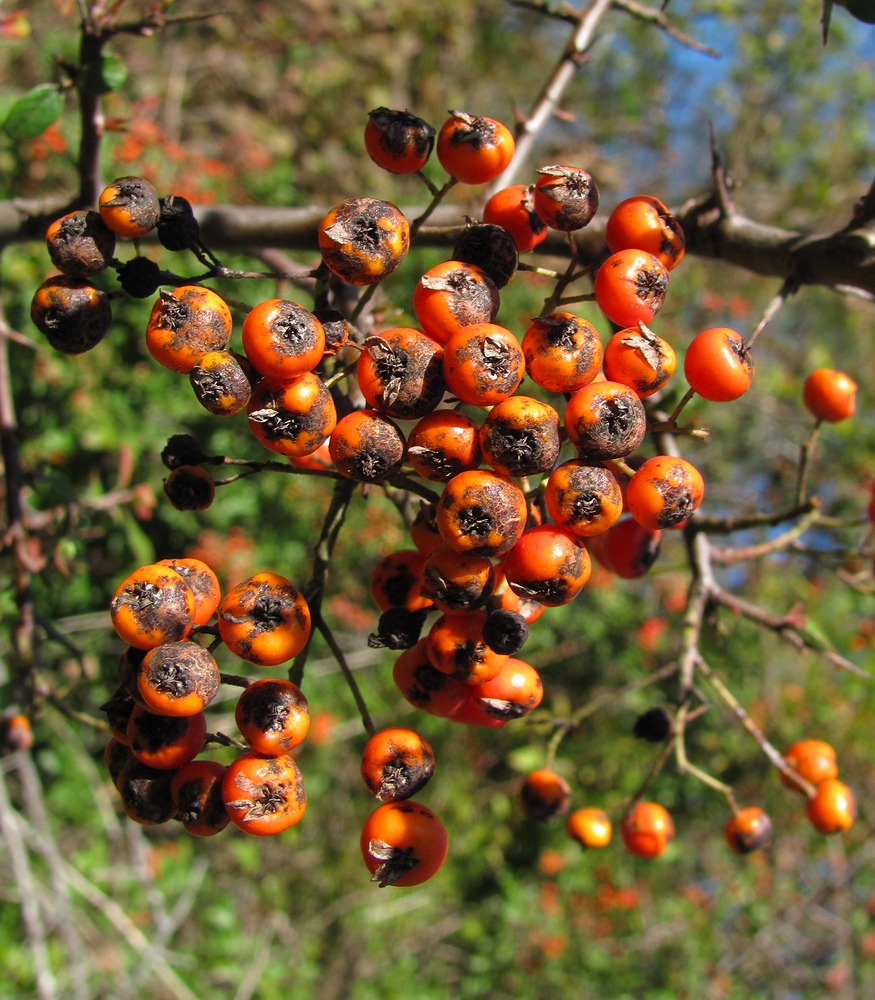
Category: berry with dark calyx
[565,198]
[80,244]
[363,239]
[178,229]
[491,248]
[336,328]
[398,141]
[145,792]
[73,315]
[748,830]
[182,449]
[130,207]
[222,382]
[654,725]
[189,487]
[398,628]
[505,631]
[140,277]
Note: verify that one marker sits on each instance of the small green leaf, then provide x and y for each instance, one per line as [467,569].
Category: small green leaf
[32,113]
[104,74]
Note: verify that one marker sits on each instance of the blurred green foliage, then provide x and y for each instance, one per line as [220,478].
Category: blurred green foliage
[264,103]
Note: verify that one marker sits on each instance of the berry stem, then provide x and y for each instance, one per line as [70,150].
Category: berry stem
[345,668]
[740,712]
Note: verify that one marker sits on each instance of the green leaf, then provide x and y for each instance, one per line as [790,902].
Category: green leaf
[104,74]
[32,113]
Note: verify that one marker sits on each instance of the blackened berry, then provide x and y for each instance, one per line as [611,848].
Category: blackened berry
[398,628]
[140,277]
[654,725]
[505,631]
[182,449]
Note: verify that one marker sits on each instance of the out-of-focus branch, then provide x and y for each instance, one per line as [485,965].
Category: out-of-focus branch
[529,130]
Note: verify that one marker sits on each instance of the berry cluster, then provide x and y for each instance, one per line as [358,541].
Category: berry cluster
[527,451]
[167,680]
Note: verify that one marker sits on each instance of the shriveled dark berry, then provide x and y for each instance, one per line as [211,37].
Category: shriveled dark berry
[189,487]
[654,725]
[491,248]
[398,628]
[139,277]
[178,229]
[505,631]
[182,449]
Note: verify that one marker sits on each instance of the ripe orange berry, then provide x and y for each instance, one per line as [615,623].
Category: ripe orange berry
[264,620]
[664,491]
[627,548]
[748,830]
[544,794]
[367,446]
[403,844]
[196,792]
[829,395]
[16,733]
[565,198]
[398,141]
[718,365]
[548,564]
[273,716]
[456,646]
[165,742]
[639,359]
[605,420]
[222,382]
[202,581]
[424,686]
[832,808]
[474,149]
[177,679]
[515,691]
[151,606]
[186,323]
[563,352]
[292,417]
[442,444]
[481,512]
[396,763]
[813,760]
[400,373]
[512,208]
[264,795]
[395,581]
[642,222]
[630,287]
[130,207]
[456,581]
[520,436]
[585,499]
[646,829]
[363,239]
[483,364]
[590,827]
[454,294]
[282,339]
